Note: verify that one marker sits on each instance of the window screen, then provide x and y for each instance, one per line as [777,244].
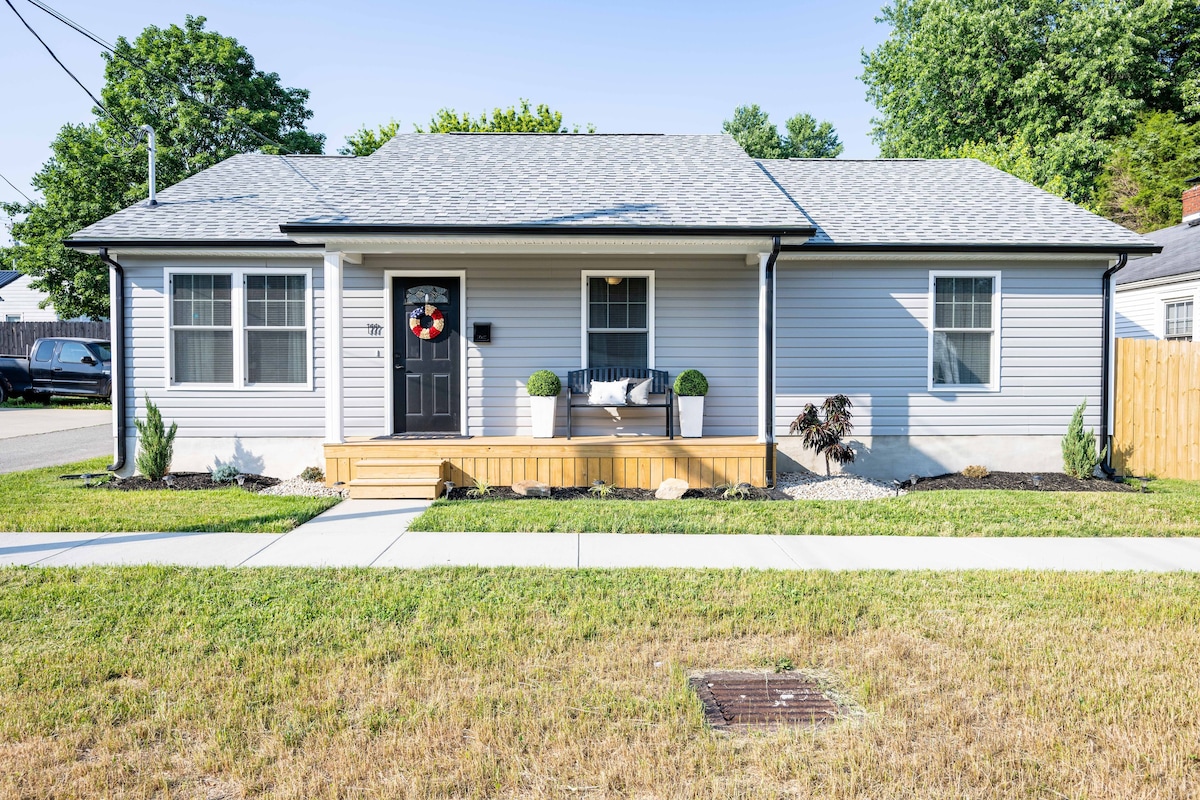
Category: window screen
[202,328]
[618,312]
[1179,320]
[963,328]
[276,333]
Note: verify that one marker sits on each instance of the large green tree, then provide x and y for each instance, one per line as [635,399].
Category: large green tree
[205,99]
[1144,180]
[1068,78]
[760,138]
[521,118]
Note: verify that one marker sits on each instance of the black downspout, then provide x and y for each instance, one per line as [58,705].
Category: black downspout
[116,333]
[769,366]
[1105,368]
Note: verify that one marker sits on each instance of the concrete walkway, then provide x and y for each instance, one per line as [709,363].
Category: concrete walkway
[373,533]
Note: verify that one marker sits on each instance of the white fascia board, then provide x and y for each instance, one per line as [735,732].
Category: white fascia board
[1166,280]
[1089,259]
[514,245]
[216,252]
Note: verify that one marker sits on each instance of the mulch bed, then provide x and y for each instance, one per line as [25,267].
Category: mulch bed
[190,481]
[1020,481]
[580,493]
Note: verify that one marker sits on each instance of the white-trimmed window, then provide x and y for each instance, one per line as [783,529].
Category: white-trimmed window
[12,317]
[618,319]
[964,337]
[1178,315]
[234,328]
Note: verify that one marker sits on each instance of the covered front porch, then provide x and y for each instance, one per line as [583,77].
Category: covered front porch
[419,468]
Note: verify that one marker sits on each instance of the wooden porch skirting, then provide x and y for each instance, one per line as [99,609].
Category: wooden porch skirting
[410,468]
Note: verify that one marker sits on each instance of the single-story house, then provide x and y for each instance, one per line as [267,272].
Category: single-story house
[1157,296]
[275,307]
[20,302]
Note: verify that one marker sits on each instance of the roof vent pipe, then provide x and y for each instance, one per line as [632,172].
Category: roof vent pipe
[153,201]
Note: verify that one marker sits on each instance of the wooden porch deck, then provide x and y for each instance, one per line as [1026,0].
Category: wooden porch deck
[417,468]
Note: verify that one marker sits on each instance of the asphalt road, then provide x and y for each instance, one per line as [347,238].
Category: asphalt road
[31,438]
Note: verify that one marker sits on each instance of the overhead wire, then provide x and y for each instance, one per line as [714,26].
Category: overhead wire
[15,188]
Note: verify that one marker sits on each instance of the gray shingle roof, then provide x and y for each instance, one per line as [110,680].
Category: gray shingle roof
[585,181]
[1180,256]
[936,202]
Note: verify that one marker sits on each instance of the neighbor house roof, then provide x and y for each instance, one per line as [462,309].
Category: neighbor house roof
[938,202]
[7,276]
[1180,255]
[445,182]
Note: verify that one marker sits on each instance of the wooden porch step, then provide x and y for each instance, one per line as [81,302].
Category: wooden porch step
[404,467]
[419,488]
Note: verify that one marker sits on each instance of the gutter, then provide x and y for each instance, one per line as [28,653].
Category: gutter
[548,229]
[998,247]
[1106,366]
[769,361]
[116,334]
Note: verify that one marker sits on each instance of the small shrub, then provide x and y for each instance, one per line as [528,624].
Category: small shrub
[825,436]
[1079,448]
[601,489]
[543,383]
[313,474]
[155,443]
[225,473]
[975,471]
[736,491]
[691,383]
[482,488]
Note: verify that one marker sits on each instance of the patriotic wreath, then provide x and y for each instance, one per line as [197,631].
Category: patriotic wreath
[437,323]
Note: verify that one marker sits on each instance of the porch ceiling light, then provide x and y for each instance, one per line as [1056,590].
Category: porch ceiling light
[613,280]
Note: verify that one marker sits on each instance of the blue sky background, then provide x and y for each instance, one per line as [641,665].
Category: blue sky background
[667,67]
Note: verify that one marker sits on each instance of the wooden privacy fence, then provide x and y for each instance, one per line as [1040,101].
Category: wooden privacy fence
[16,338]
[1156,409]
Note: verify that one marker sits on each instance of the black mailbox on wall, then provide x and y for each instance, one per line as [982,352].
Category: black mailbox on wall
[483,333]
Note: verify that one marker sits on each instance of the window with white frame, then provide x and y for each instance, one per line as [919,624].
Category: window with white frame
[240,328]
[618,309]
[12,317]
[963,340]
[1178,320]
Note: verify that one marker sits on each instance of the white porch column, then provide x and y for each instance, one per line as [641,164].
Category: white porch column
[335,421]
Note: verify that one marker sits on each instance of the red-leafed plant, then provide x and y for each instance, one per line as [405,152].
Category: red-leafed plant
[825,435]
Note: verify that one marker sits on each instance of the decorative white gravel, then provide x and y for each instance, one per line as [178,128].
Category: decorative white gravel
[810,486]
[298,486]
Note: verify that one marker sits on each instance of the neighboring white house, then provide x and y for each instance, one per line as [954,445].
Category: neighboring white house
[266,303]
[19,302]
[1157,297]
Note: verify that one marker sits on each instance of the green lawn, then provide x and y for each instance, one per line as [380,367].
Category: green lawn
[1171,508]
[162,682]
[37,501]
[83,403]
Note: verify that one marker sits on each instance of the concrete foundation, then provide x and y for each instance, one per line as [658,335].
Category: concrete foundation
[277,457]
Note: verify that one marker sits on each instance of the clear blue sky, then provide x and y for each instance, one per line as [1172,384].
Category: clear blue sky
[648,66]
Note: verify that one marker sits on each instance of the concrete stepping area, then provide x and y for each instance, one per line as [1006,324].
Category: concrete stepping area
[366,533]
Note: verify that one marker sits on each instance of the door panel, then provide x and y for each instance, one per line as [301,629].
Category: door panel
[426,372]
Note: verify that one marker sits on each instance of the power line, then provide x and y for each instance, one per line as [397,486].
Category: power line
[80,29]
[58,61]
[14,187]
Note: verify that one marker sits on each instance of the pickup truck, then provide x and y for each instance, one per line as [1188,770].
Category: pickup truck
[63,366]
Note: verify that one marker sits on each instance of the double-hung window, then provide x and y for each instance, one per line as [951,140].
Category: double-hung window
[964,336]
[1179,320]
[240,328]
[618,312]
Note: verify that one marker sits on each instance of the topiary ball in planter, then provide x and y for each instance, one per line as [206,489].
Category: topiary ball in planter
[691,383]
[543,383]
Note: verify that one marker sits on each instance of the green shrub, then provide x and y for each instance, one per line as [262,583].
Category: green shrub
[312,474]
[155,443]
[691,383]
[225,473]
[1079,447]
[543,383]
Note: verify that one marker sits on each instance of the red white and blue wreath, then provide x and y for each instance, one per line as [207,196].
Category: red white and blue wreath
[437,322]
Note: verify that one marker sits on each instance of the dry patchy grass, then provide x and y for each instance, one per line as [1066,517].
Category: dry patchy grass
[154,682]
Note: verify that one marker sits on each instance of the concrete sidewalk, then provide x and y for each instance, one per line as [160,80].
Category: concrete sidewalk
[373,533]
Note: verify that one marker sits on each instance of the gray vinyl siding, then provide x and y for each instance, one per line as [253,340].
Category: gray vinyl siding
[19,298]
[245,413]
[705,310]
[861,329]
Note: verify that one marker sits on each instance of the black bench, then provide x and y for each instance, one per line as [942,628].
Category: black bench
[579,383]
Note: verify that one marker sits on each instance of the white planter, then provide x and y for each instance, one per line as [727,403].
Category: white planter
[542,413]
[691,417]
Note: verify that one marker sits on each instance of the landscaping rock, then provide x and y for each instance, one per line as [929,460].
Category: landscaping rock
[671,489]
[531,489]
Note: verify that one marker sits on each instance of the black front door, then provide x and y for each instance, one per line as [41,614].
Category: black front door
[426,352]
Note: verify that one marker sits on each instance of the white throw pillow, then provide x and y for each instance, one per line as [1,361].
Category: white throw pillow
[608,393]
[640,395]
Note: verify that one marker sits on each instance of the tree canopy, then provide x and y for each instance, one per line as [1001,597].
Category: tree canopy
[760,138]
[1064,80]
[205,99]
[1144,180]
